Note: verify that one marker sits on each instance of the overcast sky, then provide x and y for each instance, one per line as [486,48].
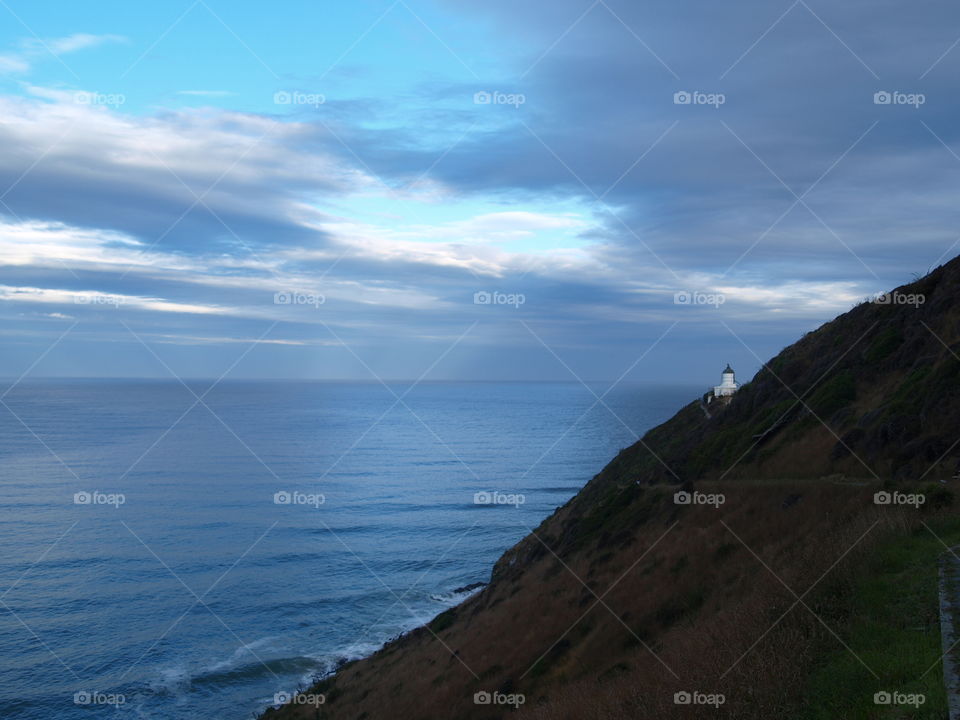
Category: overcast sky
[478,189]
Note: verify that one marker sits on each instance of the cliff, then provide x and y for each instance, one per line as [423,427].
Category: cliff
[628,595]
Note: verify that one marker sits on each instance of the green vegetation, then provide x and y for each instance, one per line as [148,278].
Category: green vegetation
[837,392]
[612,520]
[886,341]
[890,622]
[444,620]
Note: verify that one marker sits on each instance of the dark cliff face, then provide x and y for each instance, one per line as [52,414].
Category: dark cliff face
[595,604]
[874,393]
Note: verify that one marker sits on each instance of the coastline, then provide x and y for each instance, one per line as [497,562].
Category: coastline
[452,599]
[594,604]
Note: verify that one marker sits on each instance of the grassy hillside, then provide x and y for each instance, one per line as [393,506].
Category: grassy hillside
[623,598]
[869,394]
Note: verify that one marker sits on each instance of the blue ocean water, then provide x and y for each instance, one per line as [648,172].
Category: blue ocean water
[192,559]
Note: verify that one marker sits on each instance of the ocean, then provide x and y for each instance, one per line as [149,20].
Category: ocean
[163,557]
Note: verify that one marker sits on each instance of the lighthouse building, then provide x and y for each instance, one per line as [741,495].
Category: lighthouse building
[728,384]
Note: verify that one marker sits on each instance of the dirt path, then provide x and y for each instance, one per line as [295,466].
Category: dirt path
[949,628]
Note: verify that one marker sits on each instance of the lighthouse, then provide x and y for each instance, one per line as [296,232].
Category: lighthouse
[728,383]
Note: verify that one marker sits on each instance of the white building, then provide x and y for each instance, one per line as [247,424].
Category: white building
[728,384]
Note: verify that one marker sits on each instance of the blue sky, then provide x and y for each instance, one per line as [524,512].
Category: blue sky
[471,190]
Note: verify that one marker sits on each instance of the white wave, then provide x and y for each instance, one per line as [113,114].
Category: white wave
[242,654]
[455,597]
[173,680]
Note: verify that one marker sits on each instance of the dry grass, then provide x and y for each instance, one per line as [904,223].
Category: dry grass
[710,602]
[752,641]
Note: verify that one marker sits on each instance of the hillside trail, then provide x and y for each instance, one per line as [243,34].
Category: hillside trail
[950,626]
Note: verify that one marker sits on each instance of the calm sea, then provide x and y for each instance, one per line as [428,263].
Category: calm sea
[187,559]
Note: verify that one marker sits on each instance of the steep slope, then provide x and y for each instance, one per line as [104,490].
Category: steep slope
[870,393]
[624,597]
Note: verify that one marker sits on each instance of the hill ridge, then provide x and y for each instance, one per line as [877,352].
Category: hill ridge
[593,605]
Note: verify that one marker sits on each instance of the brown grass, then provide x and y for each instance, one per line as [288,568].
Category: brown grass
[698,601]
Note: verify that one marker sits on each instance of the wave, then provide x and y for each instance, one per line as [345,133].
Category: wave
[329,663]
[458,595]
[244,665]
[269,657]
[295,665]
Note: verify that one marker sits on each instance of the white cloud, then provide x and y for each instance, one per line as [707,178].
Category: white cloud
[428,267]
[169,339]
[13,64]
[796,298]
[77,41]
[56,296]
[236,162]
[29,50]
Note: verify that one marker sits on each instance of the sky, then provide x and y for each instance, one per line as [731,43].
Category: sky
[470,190]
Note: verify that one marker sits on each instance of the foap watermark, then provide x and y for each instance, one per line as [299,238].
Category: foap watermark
[898,498]
[96,497]
[695,297]
[295,497]
[494,497]
[98,299]
[696,697]
[95,697]
[686,97]
[113,100]
[887,697]
[298,298]
[698,498]
[295,97]
[898,298]
[482,297]
[309,699]
[498,698]
[895,97]
[496,97]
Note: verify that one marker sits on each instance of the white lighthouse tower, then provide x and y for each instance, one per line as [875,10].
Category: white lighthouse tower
[728,384]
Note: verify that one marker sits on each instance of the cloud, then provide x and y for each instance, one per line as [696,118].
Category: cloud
[126,214]
[598,199]
[13,64]
[29,50]
[369,277]
[702,186]
[176,179]
[75,42]
[52,296]
[198,340]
